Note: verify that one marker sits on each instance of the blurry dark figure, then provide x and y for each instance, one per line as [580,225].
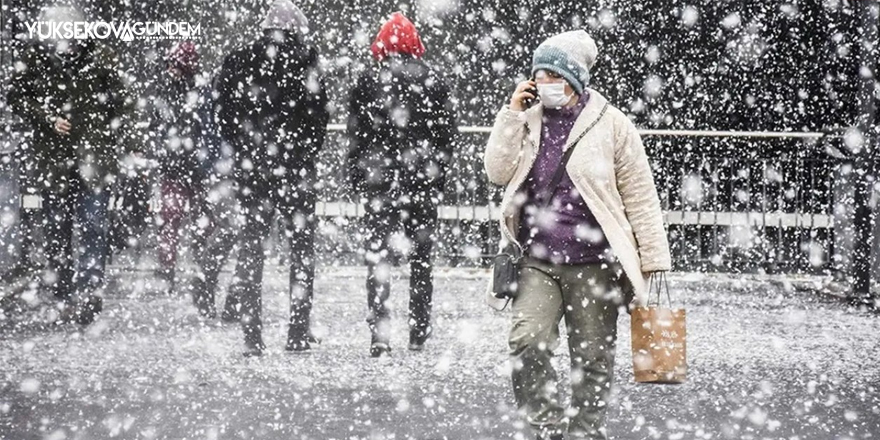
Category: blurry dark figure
[221,229]
[130,214]
[401,128]
[28,185]
[272,110]
[183,146]
[71,94]
[192,179]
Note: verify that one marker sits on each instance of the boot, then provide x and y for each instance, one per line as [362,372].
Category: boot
[67,313]
[203,298]
[380,343]
[232,306]
[379,348]
[298,345]
[253,342]
[300,340]
[418,336]
[88,310]
[167,276]
[552,435]
[253,348]
[62,289]
[297,339]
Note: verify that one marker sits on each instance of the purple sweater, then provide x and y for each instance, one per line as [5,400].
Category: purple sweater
[565,232]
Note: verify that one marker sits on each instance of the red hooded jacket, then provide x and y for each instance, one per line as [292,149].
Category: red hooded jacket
[397,35]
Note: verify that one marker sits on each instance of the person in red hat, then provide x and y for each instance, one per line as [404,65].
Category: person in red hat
[401,125]
[397,36]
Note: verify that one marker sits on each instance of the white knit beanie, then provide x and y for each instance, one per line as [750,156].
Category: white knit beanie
[570,55]
[286,16]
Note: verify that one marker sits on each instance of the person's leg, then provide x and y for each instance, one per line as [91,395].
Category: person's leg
[300,216]
[592,295]
[534,334]
[380,220]
[218,227]
[202,222]
[232,304]
[27,226]
[420,223]
[92,224]
[174,196]
[258,214]
[58,206]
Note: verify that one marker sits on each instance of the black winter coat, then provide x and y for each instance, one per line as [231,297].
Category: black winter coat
[400,128]
[181,130]
[271,108]
[89,92]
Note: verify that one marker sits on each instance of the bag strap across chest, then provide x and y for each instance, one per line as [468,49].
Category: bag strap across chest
[547,194]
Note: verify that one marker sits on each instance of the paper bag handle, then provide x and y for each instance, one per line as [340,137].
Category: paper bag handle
[659,280]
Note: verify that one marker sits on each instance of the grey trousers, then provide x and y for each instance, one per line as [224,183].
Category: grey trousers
[588,297]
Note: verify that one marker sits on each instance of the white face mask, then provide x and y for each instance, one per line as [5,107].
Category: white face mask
[553,95]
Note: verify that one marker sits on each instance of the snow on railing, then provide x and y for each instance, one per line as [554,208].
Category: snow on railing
[483,213]
[673,133]
[676,217]
[673,217]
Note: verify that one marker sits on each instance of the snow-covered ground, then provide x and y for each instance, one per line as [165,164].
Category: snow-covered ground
[766,361]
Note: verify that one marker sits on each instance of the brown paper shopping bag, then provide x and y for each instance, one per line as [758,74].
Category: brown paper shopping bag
[659,338]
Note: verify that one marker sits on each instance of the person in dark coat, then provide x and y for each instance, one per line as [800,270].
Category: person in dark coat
[188,149]
[181,128]
[71,94]
[401,132]
[272,109]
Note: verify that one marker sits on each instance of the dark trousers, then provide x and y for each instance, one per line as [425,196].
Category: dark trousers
[72,207]
[382,219]
[297,209]
[179,199]
[214,236]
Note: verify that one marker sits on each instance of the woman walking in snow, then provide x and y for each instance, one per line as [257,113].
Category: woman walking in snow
[590,239]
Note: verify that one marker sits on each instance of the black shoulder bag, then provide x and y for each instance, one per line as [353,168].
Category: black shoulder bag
[505,273]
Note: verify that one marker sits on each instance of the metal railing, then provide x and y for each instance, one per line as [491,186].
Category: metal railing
[732,200]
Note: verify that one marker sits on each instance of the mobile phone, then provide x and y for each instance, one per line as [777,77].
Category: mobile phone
[528,102]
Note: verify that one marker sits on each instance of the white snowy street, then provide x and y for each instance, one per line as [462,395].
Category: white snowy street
[282,219]
[766,361]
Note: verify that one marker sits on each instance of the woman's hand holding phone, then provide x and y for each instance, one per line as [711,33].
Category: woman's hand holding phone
[524,96]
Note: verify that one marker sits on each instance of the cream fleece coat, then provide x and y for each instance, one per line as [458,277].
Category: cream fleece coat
[610,170]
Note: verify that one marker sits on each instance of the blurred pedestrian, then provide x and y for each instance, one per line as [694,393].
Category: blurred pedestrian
[401,132]
[194,177]
[183,145]
[590,239]
[272,110]
[72,95]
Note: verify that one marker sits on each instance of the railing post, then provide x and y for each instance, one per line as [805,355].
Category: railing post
[864,157]
[863,224]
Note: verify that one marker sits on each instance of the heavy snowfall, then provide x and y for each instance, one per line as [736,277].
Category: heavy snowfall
[451,219]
